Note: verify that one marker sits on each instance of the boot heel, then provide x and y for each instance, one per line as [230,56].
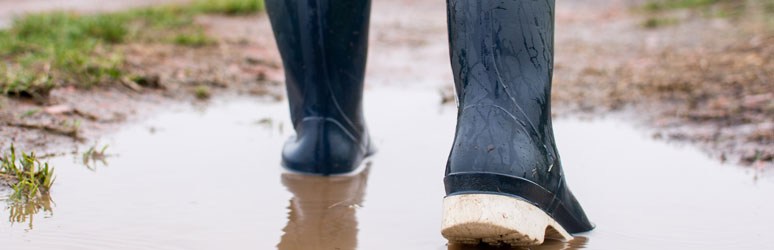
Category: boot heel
[497,219]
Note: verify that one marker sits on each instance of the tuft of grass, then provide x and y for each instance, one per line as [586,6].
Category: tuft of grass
[92,157]
[656,22]
[202,92]
[40,52]
[193,39]
[660,5]
[29,113]
[231,7]
[26,175]
[31,183]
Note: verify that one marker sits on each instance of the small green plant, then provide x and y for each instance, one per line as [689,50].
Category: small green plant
[27,176]
[659,5]
[29,113]
[202,92]
[70,128]
[230,7]
[656,22]
[194,39]
[92,156]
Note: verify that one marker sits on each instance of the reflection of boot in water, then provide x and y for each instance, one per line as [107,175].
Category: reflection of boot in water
[322,211]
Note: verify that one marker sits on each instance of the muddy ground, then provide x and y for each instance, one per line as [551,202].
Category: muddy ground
[708,81]
[702,80]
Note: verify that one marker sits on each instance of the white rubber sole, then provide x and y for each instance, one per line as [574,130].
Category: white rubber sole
[497,219]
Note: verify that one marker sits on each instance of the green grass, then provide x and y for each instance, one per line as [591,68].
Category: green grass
[27,176]
[44,51]
[202,92]
[93,157]
[657,22]
[193,39]
[29,113]
[662,12]
[710,8]
[31,182]
[231,7]
[659,5]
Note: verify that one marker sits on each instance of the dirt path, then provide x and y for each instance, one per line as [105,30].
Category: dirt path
[685,79]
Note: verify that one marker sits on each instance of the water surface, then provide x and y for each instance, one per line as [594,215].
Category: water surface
[210,178]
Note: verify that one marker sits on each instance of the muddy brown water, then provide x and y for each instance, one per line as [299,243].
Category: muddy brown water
[210,178]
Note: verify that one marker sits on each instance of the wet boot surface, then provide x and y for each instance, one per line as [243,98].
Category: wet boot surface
[502,58]
[323,45]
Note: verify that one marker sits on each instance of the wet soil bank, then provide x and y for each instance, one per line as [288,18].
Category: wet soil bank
[246,64]
[698,78]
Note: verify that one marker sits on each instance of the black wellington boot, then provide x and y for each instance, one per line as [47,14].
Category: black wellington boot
[323,44]
[504,181]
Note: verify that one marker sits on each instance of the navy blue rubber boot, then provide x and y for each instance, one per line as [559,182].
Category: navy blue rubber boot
[323,44]
[504,180]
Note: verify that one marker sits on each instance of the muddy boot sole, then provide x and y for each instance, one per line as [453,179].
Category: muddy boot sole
[497,219]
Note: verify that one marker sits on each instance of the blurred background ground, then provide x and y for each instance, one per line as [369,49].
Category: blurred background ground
[699,71]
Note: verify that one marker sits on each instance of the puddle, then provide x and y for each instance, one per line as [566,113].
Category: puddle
[211,179]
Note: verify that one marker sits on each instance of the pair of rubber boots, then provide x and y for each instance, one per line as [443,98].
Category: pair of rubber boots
[504,180]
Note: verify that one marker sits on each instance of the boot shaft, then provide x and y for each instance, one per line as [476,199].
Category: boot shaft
[324,45]
[502,59]
[502,54]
